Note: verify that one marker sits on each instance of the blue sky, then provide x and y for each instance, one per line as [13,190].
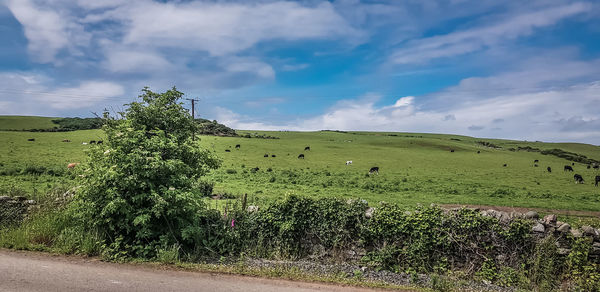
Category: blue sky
[506,69]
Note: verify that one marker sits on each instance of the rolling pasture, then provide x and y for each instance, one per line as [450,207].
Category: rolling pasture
[413,168]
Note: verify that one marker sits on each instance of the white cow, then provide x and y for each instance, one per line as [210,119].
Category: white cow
[348,162]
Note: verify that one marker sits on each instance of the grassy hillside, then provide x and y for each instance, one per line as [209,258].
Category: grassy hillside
[414,168]
[25,123]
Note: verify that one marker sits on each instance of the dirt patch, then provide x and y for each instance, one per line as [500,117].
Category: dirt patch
[524,210]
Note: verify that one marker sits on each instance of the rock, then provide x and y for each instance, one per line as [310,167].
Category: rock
[550,219]
[516,214]
[576,233]
[532,215]
[369,212]
[504,217]
[4,198]
[500,215]
[538,227]
[595,248]
[564,228]
[564,251]
[251,209]
[30,202]
[484,213]
[589,231]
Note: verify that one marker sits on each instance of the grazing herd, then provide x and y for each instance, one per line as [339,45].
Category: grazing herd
[375,169]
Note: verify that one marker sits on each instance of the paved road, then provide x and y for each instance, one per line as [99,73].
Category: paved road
[26,271]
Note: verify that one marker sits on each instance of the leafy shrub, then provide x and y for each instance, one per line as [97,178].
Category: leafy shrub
[207,127]
[141,186]
[294,226]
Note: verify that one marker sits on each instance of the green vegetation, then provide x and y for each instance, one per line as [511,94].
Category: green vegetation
[213,128]
[462,244]
[73,124]
[140,188]
[414,168]
[25,123]
[146,192]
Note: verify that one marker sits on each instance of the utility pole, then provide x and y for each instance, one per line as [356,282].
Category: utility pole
[193,100]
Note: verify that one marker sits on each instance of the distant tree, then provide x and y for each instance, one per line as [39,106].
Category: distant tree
[142,187]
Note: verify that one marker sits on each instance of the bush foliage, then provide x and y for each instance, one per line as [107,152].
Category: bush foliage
[140,190]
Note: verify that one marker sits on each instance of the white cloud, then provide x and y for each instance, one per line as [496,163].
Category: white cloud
[47,30]
[225,28]
[549,115]
[237,65]
[471,40]
[84,95]
[127,61]
[296,67]
[35,94]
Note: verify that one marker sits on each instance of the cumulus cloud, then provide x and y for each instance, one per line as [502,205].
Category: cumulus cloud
[544,115]
[47,30]
[128,61]
[225,28]
[35,94]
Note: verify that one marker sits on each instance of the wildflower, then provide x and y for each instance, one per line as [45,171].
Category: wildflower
[232,223]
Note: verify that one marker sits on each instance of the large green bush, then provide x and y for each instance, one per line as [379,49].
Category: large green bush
[141,188]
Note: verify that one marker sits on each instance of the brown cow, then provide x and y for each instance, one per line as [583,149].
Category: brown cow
[72,165]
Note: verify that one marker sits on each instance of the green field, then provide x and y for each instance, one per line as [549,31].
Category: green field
[18,123]
[414,168]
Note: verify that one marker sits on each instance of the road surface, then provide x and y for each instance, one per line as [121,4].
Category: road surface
[27,271]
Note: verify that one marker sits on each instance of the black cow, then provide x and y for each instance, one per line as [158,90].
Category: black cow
[273,155]
[307,148]
[596,166]
[99,142]
[597,180]
[227,150]
[93,142]
[301,156]
[374,169]
[31,140]
[237,146]
[549,169]
[505,165]
[478,151]
[589,166]
[578,179]
[573,163]
[266,155]
[452,150]
[568,168]
[536,161]
[535,165]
